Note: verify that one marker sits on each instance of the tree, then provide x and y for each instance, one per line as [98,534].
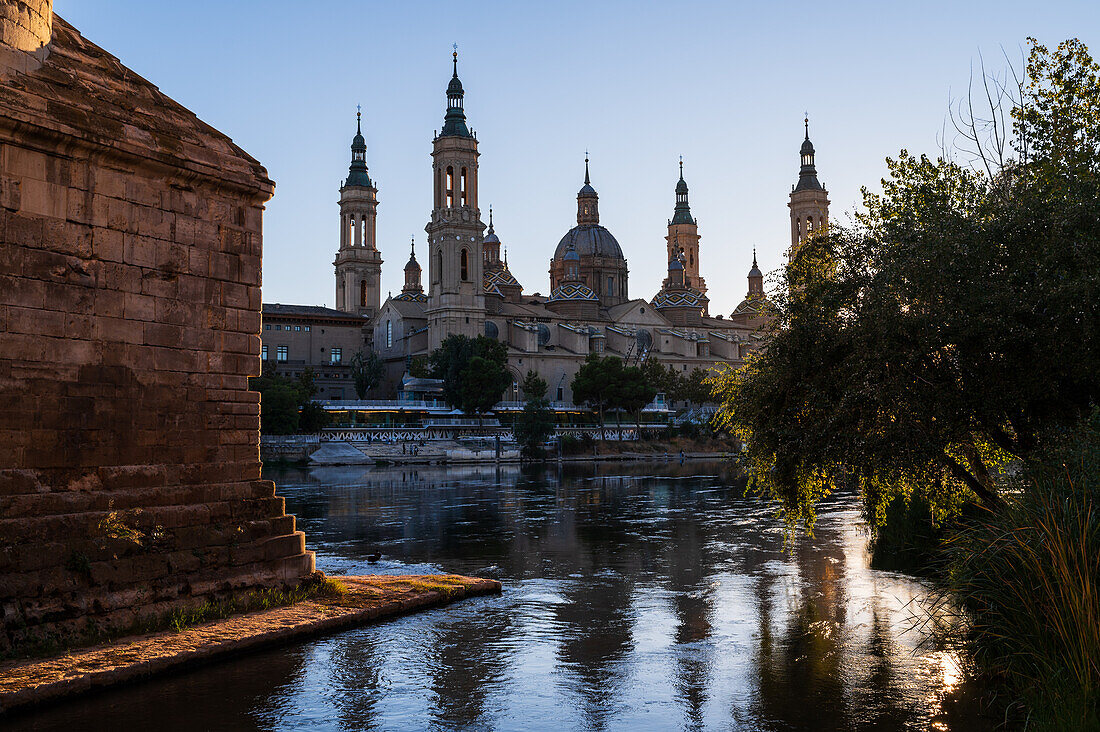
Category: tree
[630,392]
[279,410]
[594,383]
[536,424]
[949,329]
[473,372]
[286,406]
[366,372]
[481,384]
[662,378]
[312,418]
[694,388]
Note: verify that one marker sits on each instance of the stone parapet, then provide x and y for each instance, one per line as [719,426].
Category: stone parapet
[130,249]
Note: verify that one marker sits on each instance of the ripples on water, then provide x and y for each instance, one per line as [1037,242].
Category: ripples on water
[637,597]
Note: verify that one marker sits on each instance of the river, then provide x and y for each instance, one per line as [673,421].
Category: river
[637,596]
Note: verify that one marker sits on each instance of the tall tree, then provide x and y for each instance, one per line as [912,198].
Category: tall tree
[366,372]
[594,383]
[473,372]
[536,424]
[949,329]
[631,392]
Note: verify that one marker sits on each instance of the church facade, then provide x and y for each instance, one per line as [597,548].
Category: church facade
[471,291]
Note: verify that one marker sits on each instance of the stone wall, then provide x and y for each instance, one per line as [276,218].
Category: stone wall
[130,245]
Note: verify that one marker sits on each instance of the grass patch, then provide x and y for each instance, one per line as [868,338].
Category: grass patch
[256,601]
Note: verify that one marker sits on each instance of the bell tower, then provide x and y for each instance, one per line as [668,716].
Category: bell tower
[456,300]
[683,240]
[358,262]
[809,200]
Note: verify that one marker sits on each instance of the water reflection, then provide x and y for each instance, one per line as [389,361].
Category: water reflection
[642,596]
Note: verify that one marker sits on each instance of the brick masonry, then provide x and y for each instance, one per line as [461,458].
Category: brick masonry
[130,249]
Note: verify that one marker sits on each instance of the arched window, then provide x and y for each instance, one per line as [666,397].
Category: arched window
[462,182]
[437,274]
[809,225]
[389,334]
[464,262]
[610,286]
[450,186]
[363,293]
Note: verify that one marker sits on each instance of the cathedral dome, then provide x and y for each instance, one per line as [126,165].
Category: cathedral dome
[589,240]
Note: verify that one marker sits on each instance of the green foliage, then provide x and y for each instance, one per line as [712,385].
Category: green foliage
[283,398]
[420,367]
[947,331]
[313,418]
[694,388]
[473,372]
[593,384]
[366,372]
[482,383]
[1029,575]
[536,424]
[255,601]
[279,410]
[662,378]
[533,386]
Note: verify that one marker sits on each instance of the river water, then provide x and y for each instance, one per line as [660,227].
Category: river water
[643,596]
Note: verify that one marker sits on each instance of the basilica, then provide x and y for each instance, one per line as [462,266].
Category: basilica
[471,291]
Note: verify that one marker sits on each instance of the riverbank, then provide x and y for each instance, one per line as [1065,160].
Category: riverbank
[31,682]
[438,452]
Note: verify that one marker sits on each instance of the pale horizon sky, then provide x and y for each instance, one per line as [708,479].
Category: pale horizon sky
[636,83]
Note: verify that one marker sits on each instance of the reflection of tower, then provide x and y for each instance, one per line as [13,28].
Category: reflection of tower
[358,263]
[809,200]
[683,239]
[456,303]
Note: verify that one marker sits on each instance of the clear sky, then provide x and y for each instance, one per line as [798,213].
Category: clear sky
[637,83]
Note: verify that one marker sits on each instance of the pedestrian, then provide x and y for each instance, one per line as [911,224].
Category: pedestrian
[681,457]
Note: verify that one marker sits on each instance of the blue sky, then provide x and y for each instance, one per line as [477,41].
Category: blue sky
[638,84]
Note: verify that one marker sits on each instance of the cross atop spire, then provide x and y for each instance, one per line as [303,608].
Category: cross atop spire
[358,118]
[754,256]
[807,121]
[586,180]
[412,246]
[455,47]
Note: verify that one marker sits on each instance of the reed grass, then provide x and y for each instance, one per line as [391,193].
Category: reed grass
[1029,577]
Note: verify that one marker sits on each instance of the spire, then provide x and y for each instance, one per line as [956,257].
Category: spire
[412,249]
[682,214]
[588,202]
[357,171]
[756,279]
[807,175]
[412,272]
[490,220]
[454,124]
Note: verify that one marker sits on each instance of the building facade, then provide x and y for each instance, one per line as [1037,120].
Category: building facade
[471,291]
[297,337]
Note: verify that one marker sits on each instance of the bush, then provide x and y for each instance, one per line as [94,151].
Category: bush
[278,410]
[1029,576]
[313,418]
